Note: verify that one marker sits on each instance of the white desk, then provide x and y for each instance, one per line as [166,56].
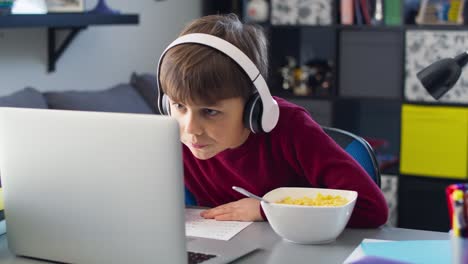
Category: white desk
[273,250]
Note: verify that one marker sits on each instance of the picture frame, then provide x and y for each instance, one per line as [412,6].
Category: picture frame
[65,6]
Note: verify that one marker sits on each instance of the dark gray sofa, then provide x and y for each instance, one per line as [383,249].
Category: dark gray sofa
[137,96]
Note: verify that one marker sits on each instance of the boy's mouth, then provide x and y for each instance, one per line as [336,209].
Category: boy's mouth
[198,146]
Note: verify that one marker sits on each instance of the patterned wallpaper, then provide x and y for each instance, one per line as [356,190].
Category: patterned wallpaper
[303,12]
[424,47]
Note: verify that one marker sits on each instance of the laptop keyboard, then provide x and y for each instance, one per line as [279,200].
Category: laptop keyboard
[194,257]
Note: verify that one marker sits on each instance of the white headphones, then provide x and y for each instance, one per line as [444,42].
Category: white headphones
[259,116]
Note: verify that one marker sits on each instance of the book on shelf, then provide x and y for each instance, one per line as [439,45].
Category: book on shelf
[365,6]
[358,12]
[392,12]
[441,12]
[347,12]
[368,12]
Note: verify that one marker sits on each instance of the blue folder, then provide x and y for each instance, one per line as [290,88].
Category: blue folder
[413,251]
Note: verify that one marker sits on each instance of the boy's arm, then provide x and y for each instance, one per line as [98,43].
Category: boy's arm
[246,209]
[327,165]
[371,209]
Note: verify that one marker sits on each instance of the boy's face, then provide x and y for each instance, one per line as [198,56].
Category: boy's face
[210,129]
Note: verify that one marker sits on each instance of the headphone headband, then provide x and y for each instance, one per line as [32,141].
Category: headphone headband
[270,107]
[219,44]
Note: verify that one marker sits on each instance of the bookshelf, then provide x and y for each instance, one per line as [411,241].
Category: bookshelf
[74,23]
[368,92]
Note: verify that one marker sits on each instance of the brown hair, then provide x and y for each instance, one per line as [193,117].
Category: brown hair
[201,74]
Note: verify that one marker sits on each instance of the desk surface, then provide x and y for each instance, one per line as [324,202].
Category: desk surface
[275,250]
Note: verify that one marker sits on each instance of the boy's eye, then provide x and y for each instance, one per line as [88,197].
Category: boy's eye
[210,112]
[178,106]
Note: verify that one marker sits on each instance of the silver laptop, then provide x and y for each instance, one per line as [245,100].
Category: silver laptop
[89,187]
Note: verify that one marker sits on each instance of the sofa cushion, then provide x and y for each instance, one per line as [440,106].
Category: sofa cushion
[28,98]
[121,98]
[145,84]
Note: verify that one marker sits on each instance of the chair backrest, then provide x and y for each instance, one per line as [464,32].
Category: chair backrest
[358,148]
[189,198]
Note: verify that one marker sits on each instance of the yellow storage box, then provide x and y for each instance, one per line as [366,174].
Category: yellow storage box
[434,141]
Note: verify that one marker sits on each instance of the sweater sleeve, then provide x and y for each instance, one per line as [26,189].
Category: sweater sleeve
[326,165]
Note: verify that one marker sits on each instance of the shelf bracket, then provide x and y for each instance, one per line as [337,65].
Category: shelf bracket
[54,50]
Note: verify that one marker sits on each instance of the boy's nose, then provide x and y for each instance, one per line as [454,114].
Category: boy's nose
[193,125]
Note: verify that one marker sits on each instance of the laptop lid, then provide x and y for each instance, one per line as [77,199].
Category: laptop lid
[89,187]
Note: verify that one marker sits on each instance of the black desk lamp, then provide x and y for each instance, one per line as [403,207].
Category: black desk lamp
[439,77]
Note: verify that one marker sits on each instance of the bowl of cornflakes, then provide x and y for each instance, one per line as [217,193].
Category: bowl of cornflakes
[308,215]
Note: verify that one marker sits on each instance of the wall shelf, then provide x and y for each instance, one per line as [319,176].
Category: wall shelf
[74,22]
[66,20]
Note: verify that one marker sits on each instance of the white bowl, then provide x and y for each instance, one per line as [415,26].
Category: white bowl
[307,224]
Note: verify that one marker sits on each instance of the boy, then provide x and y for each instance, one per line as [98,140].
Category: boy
[207,93]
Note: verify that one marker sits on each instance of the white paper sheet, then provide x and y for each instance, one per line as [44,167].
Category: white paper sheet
[197,226]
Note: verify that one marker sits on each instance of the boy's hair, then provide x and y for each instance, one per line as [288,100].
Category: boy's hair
[204,75]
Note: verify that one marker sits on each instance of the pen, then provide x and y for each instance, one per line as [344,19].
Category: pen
[459,224]
[464,231]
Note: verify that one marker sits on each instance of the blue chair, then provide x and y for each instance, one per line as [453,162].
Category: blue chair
[358,148]
[189,198]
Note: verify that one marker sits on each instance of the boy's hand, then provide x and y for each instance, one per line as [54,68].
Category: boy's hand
[247,209]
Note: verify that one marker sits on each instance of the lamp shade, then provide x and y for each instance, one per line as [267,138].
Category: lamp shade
[439,77]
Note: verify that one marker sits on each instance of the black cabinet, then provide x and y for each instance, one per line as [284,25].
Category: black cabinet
[423,204]
[371,63]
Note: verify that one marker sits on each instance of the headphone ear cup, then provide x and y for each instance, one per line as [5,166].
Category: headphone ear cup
[166,108]
[253,111]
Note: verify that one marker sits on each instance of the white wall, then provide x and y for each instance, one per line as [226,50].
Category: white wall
[100,56]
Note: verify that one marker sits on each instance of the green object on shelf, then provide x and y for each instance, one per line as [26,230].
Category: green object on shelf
[5,7]
[6,3]
[392,12]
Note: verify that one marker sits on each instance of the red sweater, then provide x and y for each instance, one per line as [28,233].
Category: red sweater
[296,153]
